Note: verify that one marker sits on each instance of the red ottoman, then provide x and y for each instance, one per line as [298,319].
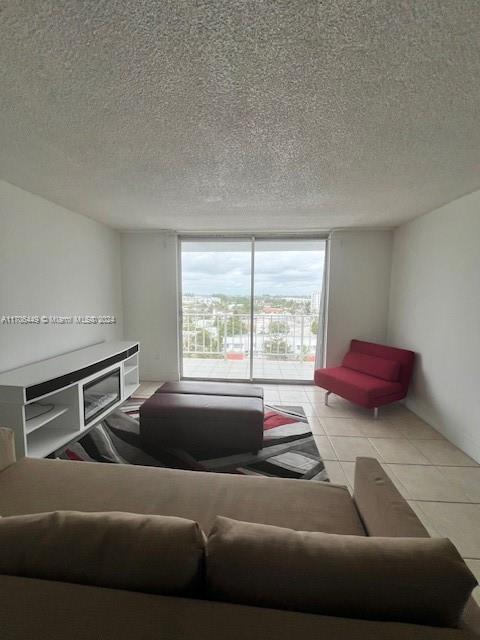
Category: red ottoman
[207,426]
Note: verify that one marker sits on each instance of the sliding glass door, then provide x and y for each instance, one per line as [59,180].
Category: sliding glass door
[251,308]
[216,308]
[287,295]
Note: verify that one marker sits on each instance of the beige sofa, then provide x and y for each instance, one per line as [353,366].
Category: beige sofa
[32,608]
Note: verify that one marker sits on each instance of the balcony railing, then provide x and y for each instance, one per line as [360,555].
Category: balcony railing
[227,336]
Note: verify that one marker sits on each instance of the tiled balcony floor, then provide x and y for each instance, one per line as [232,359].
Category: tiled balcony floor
[240,369]
[440,482]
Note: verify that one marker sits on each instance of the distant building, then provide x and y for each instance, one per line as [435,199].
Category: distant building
[299,299]
[189,299]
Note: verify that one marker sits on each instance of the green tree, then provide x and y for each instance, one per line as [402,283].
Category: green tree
[314,327]
[276,348]
[233,325]
[277,327]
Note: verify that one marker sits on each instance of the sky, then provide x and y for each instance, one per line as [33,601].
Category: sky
[281,273]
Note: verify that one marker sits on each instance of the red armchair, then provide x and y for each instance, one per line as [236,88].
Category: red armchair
[371,375]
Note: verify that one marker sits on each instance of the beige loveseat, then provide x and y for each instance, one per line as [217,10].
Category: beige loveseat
[32,608]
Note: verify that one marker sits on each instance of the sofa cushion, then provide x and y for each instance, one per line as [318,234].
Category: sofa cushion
[155,554]
[33,486]
[372,366]
[355,386]
[80,612]
[416,580]
[405,357]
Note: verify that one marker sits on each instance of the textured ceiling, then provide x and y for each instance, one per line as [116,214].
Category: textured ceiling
[241,115]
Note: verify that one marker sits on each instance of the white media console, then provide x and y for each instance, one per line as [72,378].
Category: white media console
[51,402]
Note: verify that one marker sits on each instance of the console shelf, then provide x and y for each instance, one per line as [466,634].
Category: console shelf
[45,403]
[130,389]
[130,369]
[31,424]
[130,375]
[40,444]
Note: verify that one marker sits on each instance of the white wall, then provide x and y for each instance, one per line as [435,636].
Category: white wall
[53,262]
[435,310]
[149,268]
[359,284]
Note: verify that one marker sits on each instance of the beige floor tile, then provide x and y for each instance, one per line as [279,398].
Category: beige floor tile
[342,427]
[397,409]
[459,522]
[411,424]
[398,450]
[316,426]
[405,415]
[327,412]
[336,473]
[314,392]
[474,566]
[442,452]
[414,431]
[348,448]
[349,471]
[309,410]
[324,447]
[292,396]
[421,515]
[388,470]
[378,429]
[334,411]
[339,404]
[270,395]
[426,483]
[468,478]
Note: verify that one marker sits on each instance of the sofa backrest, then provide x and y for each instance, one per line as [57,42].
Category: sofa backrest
[372,366]
[404,357]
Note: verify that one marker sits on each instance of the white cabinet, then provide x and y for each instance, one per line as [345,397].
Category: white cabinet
[51,402]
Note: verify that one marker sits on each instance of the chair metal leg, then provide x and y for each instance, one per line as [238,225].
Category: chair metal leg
[326,397]
[375,413]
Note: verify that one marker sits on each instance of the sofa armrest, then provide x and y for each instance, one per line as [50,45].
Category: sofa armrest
[7,448]
[383,510]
